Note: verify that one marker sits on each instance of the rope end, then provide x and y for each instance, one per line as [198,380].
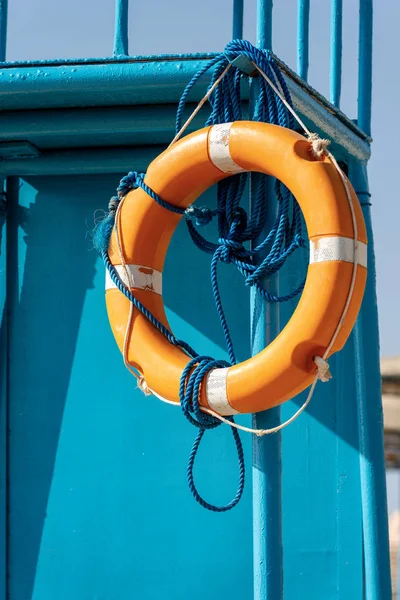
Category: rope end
[318,145]
[323,372]
[143,387]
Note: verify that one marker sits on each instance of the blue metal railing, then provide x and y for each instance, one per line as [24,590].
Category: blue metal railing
[264,14]
[264,40]
[3,28]
[303,37]
[121,28]
[237,26]
[336,51]
[365,66]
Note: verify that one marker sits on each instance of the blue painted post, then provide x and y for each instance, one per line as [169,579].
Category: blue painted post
[370,421]
[237,29]
[3,349]
[3,397]
[267,468]
[121,28]
[303,37]
[365,66]
[336,51]
[3,29]
[264,24]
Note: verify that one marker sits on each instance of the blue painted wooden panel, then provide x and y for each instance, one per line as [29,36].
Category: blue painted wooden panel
[99,506]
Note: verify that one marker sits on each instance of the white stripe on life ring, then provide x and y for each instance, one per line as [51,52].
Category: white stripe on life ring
[218,149]
[142,278]
[216,391]
[326,249]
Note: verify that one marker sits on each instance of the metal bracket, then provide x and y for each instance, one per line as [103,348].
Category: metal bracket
[245,65]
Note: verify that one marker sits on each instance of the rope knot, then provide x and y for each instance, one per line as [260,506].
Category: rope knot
[323,372]
[201,216]
[239,222]
[318,145]
[113,204]
[143,387]
[129,182]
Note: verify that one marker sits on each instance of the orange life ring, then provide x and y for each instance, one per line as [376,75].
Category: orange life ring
[179,175]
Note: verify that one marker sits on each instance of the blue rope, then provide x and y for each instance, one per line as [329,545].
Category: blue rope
[236,231]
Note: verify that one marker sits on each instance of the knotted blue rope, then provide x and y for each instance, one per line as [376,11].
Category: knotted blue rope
[237,231]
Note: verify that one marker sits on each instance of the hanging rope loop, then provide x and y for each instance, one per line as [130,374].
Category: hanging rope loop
[189,393]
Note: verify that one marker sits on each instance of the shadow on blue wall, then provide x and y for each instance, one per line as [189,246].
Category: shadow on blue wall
[53,271]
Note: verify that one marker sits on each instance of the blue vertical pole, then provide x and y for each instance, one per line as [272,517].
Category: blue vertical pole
[3,29]
[370,421]
[303,37]
[369,399]
[121,28]
[336,51]
[237,28]
[264,24]
[365,67]
[267,468]
[3,351]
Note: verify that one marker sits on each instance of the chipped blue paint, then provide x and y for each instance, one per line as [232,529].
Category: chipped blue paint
[103,84]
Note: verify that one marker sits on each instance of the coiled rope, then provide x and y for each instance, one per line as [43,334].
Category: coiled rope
[235,229]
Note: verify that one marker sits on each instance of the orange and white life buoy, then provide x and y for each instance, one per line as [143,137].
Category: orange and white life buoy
[179,175]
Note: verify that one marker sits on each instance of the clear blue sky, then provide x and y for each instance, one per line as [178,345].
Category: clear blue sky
[76,28]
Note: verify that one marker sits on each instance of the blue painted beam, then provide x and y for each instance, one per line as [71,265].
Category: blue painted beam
[83,161]
[237,26]
[98,126]
[121,28]
[147,81]
[365,66]
[336,51]
[303,37]
[370,421]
